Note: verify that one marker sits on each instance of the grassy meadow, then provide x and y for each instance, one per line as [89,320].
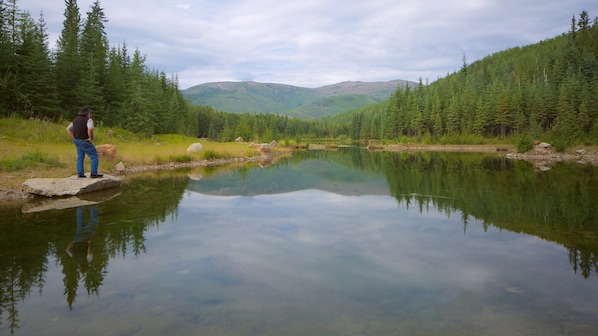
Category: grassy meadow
[34,148]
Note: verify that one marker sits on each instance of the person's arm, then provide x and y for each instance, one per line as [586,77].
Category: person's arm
[69,130]
[90,130]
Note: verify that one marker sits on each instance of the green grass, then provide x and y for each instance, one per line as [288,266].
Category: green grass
[30,160]
[33,130]
[209,154]
[176,158]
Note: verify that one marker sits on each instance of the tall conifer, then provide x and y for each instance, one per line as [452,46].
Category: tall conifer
[8,87]
[93,54]
[35,70]
[68,65]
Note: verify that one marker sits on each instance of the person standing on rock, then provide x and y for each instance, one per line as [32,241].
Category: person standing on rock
[81,130]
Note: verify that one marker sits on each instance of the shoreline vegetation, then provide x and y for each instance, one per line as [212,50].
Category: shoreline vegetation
[41,149]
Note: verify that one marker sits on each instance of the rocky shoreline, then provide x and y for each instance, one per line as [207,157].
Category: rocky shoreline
[9,195]
[542,157]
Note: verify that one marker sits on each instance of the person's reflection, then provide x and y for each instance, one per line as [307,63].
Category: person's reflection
[86,229]
[86,268]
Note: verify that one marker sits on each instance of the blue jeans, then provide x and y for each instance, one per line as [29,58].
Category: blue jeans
[86,231]
[83,148]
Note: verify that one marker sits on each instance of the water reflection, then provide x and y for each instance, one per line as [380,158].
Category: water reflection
[558,205]
[86,229]
[41,204]
[349,230]
[80,249]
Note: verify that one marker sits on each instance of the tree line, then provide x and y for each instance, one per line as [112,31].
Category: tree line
[548,89]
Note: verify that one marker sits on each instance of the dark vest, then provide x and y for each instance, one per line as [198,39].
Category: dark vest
[80,127]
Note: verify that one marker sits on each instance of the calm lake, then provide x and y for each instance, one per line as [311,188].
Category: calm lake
[344,242]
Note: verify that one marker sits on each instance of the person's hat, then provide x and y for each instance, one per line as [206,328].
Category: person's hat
[84,111]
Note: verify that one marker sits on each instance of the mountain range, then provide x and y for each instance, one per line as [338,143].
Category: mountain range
[293,101]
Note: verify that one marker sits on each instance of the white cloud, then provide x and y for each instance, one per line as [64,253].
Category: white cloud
[313,42]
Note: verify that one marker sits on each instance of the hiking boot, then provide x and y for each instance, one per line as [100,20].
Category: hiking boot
[81,176]
[97,175]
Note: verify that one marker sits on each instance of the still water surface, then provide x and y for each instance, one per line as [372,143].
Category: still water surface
[323,243]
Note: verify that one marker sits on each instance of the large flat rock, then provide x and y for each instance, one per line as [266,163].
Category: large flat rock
[69,186]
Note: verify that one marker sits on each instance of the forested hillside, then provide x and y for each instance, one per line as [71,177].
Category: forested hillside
[548,89]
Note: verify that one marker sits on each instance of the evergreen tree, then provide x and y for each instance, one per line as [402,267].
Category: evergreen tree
[436,115]
[453,118]
[9,91]
[136,109]
[536,112]
[114,89]
[68,63]
[34,68]
[177,109]
[392,115]
[480,119]
[93,55]
[503,116]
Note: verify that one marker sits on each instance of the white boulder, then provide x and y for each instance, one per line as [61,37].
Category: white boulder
[195,147]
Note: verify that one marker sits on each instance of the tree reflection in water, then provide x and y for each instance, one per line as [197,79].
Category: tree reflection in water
[557,206]
[29,240]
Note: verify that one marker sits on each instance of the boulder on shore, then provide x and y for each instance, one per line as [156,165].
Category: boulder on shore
[69,186]
[195,148]
[107,151]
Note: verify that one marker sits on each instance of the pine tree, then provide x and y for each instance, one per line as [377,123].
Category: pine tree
[436,115]
[5,55]
[453,117]
[8,86]
[392,115]
[35,70]
[480,119]
[536,112]
[114,89]
[136,109]
[503,116]
[68,65]
[93,54]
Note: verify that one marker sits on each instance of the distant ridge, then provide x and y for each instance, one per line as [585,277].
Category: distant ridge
[294,101]
[374,89]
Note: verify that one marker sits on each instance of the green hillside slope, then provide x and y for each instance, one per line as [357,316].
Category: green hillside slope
[331,106]
[255,98]
[251,97]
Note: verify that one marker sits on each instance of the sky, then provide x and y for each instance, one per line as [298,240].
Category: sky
[312,43]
